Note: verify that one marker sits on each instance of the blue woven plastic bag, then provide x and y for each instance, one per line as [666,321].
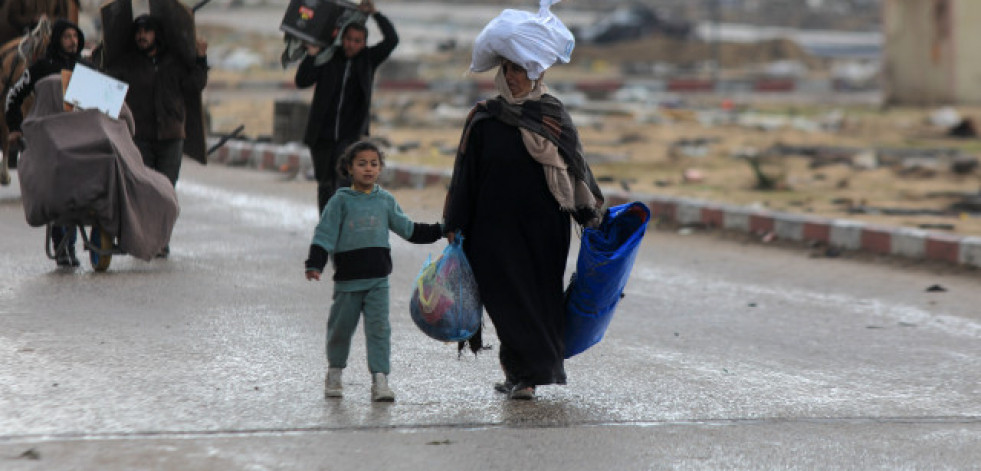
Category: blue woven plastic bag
[606,256]
[445,303]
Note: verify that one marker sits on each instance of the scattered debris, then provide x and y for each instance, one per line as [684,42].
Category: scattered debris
[862,209]
[632,22]
[407,146]
[945,117]
[937,226]
[694,147]
[964,164]
[967,204]
[764,180]
[692,175]
[965,128]
[31,454]
[865,160]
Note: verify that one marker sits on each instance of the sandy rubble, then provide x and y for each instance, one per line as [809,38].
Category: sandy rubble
[636,147]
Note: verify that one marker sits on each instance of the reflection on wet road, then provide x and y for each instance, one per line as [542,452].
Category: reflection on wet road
[226,337]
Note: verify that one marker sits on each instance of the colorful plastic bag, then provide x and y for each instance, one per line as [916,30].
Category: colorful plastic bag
[533,41]
[606,256]
[445,303]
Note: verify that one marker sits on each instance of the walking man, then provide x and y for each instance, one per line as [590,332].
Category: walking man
[158,81]
[64,51]
[341,108]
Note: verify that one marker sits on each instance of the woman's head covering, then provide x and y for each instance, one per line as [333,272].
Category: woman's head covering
[533,41]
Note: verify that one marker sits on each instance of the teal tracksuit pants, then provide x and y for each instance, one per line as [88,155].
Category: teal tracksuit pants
[342,322]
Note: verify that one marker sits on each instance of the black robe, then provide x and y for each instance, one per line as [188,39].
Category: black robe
[517,241]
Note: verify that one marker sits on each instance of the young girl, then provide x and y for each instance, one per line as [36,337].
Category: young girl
[353,230]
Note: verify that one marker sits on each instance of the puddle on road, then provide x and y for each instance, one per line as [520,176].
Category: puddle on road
[264,211]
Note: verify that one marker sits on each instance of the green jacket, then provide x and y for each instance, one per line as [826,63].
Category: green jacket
[353,230]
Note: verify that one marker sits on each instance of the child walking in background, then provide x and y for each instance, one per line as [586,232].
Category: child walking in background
[353,230]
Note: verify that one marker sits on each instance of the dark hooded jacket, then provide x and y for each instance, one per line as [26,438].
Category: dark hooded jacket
[54,61]
[329,79]
[157,85]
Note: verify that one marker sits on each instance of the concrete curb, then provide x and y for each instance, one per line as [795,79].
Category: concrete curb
[838,233]
[294,158]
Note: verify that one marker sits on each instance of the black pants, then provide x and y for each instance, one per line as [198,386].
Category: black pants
[325,154]
[60,232]
[163,156]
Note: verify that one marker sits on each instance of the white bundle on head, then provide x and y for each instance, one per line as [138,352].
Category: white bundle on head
[533,41]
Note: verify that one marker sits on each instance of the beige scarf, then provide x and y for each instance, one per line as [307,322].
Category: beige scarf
[545,152]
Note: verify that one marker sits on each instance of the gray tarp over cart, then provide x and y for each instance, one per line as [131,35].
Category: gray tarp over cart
[82,167]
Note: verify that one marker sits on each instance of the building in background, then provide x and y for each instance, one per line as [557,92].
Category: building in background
[932,52]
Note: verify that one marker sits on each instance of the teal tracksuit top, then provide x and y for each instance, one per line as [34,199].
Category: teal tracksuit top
[354,229]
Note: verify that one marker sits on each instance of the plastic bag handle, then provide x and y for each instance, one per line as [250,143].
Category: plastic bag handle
[543,6]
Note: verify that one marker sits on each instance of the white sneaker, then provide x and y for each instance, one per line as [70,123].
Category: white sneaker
[380,391]
[332,385]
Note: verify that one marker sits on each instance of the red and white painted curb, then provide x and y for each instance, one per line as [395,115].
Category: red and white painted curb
[295,158]
[839,233]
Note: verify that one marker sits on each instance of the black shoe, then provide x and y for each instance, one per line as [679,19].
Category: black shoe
[67,260]
[63,260]
[504,387]
[164,252]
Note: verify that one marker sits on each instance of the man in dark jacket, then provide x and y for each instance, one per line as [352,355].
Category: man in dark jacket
[63,52]
[158,81]
[341,108]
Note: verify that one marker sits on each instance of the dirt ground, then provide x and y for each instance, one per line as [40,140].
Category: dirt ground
[628,153]
[637,149]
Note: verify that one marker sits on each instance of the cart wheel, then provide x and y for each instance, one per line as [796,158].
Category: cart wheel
[102,242]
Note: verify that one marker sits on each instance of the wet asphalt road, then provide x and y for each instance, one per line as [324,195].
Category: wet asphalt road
[722,355]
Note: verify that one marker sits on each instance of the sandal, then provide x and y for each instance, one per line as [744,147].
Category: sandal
[522,392]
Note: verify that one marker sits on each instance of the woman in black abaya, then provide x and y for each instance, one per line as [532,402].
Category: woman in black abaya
[518,178]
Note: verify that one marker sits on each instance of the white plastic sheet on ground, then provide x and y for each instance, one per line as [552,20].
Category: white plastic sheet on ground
[533,41]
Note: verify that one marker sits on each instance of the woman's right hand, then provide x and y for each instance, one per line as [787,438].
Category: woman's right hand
[450,236]
[313,275]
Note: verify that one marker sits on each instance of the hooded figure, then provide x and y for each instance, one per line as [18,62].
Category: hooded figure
[149,23]
[64,51]
[158,83]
